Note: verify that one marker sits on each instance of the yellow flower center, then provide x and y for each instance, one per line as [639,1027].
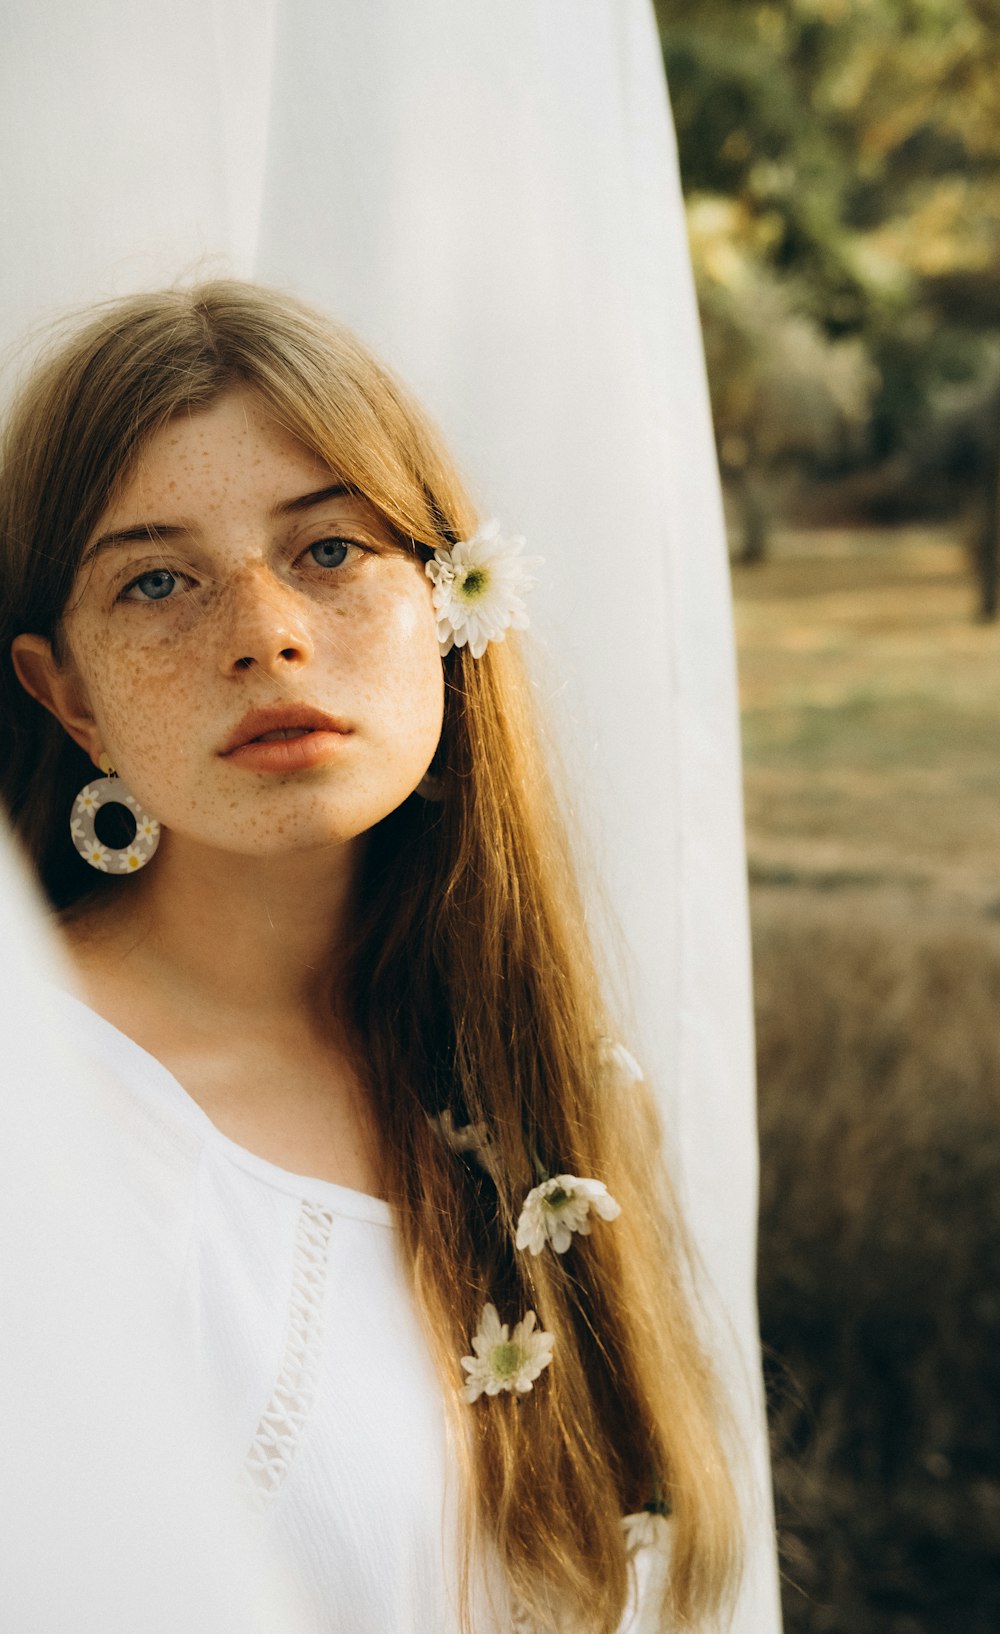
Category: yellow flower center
[506,1360]
[475,583]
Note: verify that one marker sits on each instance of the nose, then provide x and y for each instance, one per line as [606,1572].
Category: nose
[264,626]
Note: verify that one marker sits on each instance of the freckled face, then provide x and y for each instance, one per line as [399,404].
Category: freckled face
[244,601]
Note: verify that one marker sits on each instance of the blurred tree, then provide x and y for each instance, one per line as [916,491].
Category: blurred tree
[841,160]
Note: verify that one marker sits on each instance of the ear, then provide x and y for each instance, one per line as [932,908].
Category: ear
[58,688]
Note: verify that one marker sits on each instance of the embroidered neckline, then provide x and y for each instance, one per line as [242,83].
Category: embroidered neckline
[279,1429]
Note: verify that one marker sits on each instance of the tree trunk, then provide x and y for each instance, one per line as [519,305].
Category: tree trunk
[754,522]
[988,554]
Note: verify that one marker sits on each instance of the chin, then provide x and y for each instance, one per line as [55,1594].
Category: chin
[291,837]
[282,826]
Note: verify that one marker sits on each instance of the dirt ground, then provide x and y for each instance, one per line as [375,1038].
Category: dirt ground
[871,717]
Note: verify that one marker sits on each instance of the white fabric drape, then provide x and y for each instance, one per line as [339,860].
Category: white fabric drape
[113,1513]
[489,195]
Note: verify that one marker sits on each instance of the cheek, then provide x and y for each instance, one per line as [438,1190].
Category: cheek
[139,692]
[395,661]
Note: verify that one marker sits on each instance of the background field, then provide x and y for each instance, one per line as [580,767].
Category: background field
[871,726]
[841,171]
[870,698]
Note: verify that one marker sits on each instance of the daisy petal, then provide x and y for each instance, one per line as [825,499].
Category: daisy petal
[505,1360]
[478,587]
[559,1208]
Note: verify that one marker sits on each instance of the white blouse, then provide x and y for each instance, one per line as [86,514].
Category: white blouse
[309,1356]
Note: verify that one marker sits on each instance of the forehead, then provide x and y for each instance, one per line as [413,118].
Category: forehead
[232,449]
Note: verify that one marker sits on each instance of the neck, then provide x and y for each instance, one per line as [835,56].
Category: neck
[237,935]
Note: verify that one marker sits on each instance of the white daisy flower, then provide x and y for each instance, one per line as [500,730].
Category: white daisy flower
[466,1137]
[98,856]
[146,827]
[478,586]
[560,1206]
[504,1360]
[644,1530]
[132,858]
[619,1064]
[86,802]
[77,829]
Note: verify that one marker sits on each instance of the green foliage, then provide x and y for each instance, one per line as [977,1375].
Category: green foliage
[850,151]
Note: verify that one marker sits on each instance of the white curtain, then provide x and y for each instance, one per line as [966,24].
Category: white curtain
[113,1512]
[488,194]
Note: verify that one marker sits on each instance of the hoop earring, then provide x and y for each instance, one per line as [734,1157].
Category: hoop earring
[431,788]
[109,790]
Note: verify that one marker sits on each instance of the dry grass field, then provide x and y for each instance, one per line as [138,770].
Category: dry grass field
[871,717]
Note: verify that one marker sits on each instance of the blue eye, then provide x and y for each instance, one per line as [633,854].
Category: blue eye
[329,552]
[154,586]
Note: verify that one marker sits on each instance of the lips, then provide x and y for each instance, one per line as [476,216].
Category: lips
[281,723]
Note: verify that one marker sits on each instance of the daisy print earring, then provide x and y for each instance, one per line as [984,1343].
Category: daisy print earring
[478,589]
[109,790]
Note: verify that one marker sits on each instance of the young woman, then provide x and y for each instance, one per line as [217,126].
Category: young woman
[413,1206]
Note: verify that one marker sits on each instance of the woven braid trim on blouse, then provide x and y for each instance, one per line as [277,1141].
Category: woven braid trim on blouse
[280,1428]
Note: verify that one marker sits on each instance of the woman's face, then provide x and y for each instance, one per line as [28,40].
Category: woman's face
[229,579]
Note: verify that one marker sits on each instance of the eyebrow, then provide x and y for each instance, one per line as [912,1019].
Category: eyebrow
[336,490]
[145,531]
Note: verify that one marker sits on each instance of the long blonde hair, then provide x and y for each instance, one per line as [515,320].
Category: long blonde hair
[469,974]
